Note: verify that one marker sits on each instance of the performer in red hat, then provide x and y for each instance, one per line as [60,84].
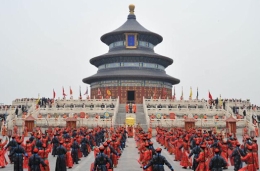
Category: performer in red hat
[217,162]
[255,152]
[101,160]
[61,159]
[236,156]
[202,159]
[43,153]
[195,151]
[35,160]
[3,161]
[69,160]
[74,152]
[185,161]
[249,159]
[148,154]
[18,153]
[28,147]
[158,161]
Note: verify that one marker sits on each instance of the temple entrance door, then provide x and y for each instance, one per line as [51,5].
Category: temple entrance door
[130,96]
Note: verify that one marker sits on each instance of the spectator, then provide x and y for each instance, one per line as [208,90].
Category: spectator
[102,105]
[16,111]
[244,112]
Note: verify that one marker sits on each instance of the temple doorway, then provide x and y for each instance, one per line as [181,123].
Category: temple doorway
[130,96]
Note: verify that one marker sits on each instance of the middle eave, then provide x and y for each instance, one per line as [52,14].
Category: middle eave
[120,56]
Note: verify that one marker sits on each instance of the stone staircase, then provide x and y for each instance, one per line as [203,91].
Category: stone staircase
[121,115]
[140,117]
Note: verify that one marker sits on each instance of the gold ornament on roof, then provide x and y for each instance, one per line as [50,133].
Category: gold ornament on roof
[131,8]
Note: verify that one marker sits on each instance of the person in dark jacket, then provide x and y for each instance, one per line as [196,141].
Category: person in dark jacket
[101,160]
[84,143]
[152,148]
[12,144]
[217,162]
[158,161]
[38,142]
[196,152]
[236,154]
[35,161]
[61,159]
[31,137]
[55,143]
[74,152]
[18,153]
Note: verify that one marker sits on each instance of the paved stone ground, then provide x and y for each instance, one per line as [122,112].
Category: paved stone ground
[127,162]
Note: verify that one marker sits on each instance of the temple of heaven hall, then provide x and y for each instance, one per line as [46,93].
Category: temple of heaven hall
[131,70]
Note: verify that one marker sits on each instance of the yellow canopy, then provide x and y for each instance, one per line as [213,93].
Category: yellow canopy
[130,121]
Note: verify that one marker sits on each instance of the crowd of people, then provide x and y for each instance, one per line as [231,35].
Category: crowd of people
[130,108]
[196,149]
[67,144]
[210,150]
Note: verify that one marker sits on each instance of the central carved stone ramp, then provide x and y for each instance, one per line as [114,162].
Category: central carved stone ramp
[128,160]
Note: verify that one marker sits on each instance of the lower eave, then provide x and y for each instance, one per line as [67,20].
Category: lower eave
[139,74]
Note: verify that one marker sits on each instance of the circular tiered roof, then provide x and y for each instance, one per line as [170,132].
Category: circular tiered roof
[138,54]
[132,26]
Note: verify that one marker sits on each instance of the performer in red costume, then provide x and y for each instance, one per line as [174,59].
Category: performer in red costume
[28,146]
[249,159]
[69,161]
[3,161]
[43,153]
[130,131]
[202,160]
[185,161]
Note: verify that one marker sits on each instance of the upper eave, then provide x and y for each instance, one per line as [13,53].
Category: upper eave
[131,26]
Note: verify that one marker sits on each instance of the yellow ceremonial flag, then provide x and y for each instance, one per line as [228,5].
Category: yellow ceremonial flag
[220,103]
[190,93]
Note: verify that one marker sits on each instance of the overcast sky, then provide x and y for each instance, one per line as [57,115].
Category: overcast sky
[47,44]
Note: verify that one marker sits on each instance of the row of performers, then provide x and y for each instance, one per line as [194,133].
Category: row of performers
[203,145]
[107,155]
[130,108]
[72,143]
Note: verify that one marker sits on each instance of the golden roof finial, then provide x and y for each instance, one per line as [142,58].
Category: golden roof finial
[132,9]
